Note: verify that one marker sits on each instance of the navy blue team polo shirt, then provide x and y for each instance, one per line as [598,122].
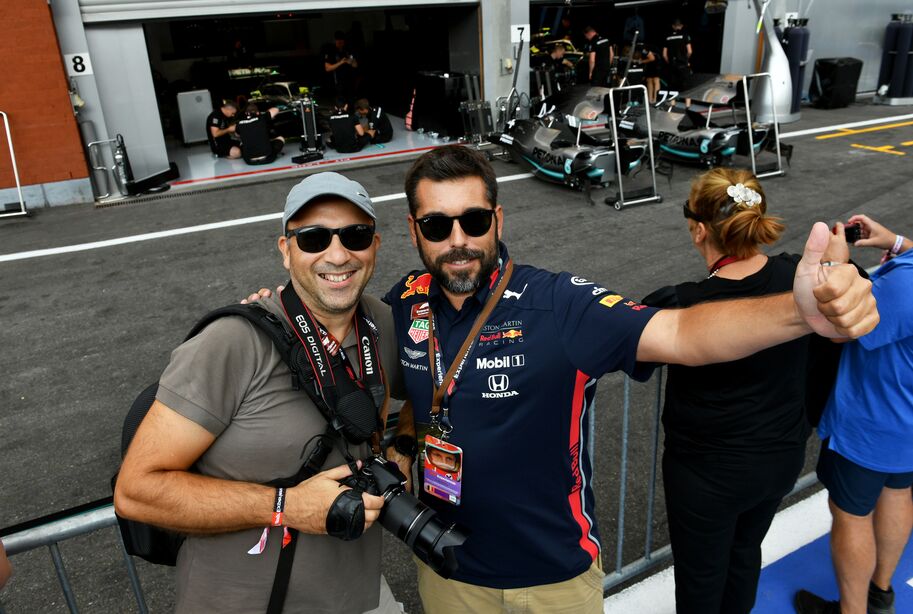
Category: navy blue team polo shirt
[519,413]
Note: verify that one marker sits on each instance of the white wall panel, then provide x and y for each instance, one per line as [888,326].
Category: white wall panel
[839,28]
[850,28]
[126,93]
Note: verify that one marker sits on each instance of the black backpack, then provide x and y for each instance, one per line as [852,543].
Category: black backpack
[158,545]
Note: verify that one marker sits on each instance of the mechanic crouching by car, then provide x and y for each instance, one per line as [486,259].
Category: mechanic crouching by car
[347,135]
[220,127]
[258,144]
[375,122]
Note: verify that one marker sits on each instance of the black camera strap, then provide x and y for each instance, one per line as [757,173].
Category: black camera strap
[333,380]
[352,405]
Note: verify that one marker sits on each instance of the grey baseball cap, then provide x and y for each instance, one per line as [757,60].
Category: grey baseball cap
[326,184]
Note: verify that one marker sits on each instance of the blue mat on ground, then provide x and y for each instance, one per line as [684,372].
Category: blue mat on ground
[810,568]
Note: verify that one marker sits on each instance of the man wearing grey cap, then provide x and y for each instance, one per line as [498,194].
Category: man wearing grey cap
[226,421]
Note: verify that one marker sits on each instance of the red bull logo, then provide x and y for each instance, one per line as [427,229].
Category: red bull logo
[512,334]
[417,285]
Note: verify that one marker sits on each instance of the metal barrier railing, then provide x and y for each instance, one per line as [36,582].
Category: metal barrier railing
[9,141]
[52,530]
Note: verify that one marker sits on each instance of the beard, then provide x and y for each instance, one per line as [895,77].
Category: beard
[464,282]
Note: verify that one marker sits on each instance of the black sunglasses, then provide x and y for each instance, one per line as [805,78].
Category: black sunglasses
[437,227]
[689,214]
[315,239]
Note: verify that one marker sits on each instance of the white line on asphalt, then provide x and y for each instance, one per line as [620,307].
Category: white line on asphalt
[53,251]
[388,197]
[868,122]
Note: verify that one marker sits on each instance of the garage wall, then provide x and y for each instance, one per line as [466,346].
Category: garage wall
[839,28]
[126,93]
[34,96]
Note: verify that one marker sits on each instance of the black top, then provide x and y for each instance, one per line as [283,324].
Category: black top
[217,120]
[743,407]
[378,120]
[344,73]
[345,139]
[677,43]
[254,132]
[601,46]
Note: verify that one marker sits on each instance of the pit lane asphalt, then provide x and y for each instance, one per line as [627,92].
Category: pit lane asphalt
[84,332]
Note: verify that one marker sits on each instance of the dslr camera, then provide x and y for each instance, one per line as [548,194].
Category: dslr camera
[410,520]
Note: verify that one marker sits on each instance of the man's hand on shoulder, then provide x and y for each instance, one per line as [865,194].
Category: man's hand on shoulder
[833,300]
[261,293]
[308,504]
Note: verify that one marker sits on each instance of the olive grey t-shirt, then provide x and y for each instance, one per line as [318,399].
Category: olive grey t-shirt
[231,380]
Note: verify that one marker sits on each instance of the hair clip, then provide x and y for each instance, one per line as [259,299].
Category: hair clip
[743,195]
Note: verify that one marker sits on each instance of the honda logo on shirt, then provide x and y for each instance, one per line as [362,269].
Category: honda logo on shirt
[498,382]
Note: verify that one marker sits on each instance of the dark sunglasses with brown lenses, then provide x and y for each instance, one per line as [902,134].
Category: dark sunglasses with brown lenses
[315,239]
[689,214]
[437,227]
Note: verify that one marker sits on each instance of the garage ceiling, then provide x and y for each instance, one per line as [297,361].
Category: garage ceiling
[102,11]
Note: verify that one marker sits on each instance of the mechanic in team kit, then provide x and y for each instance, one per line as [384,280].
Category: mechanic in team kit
[220,127]
[599,55]
[677,55]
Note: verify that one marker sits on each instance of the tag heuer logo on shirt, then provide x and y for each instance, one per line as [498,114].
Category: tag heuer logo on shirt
[419,330]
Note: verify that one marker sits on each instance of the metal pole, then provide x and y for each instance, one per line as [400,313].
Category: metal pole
[624,474]
[621,194]
[62,578]
[134,577]
[590,440]
[651,492]
[9,141]
[754,166]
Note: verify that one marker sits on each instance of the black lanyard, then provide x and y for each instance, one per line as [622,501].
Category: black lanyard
[317,340]
[444,386]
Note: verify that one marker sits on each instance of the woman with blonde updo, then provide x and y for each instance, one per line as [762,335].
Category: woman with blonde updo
[734,432]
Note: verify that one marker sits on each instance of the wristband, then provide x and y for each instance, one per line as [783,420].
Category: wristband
[279,509]
[898,242]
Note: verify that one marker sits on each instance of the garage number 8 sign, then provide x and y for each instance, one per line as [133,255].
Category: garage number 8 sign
[78,64]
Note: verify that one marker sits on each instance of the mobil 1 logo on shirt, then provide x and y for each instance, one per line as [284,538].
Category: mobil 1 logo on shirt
[501,362]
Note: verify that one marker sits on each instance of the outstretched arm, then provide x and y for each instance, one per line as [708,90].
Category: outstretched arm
[833,301]
[156,486]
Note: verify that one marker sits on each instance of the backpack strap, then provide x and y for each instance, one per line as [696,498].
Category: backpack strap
[290,350]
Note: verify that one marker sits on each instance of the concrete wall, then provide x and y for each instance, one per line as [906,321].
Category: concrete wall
[35,98]
[850,28]
[497,17]
[839,28]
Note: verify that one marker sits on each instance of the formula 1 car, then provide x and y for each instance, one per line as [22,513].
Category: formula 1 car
[690,136]
[555,147]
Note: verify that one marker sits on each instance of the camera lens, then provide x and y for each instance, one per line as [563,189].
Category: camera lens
[419,527]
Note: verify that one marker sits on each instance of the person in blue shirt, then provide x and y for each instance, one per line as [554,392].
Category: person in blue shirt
[500,362]
[866,459]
